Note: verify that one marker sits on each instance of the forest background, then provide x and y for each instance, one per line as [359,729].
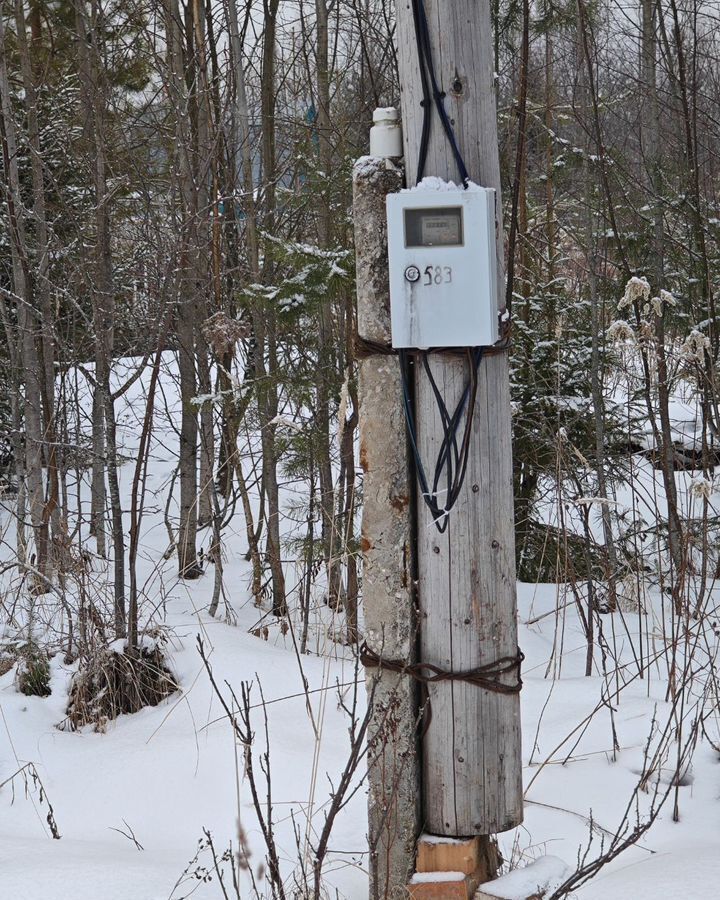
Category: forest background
[176,222]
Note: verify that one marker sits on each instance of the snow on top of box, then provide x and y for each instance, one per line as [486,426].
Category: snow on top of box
[433,183]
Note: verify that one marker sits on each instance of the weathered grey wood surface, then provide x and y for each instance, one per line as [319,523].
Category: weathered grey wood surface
[471,751]
[394,777]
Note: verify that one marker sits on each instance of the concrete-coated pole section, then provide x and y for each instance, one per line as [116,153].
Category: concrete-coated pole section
[471,760]
[388,595]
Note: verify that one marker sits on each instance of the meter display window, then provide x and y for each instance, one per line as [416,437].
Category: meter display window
[434,227]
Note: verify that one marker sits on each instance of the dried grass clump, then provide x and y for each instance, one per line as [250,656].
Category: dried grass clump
[114,681]
[32,676]
[7,661]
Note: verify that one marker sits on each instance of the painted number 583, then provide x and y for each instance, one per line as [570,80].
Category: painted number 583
[437,275]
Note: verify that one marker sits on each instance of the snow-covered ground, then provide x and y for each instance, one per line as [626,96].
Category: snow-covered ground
[168,773]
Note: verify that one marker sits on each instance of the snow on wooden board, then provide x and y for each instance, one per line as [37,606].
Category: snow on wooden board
[436,877]
[544,874]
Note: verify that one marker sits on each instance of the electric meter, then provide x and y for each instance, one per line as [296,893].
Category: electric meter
[443,266]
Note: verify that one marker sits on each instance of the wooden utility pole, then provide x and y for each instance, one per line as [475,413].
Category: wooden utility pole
[445,760]
[471,762]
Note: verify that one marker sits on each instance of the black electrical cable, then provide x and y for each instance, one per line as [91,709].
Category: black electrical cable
[466,407]
[445,462]
[467,399]
[439,95]
[452,459]
[427,71]
[426,102]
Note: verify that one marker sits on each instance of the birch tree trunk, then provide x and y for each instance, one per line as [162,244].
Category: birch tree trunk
[186,288]
[265,321]
[28,326]
[204,151]
[41,283]
[241,152]
[94,99]
[332,540]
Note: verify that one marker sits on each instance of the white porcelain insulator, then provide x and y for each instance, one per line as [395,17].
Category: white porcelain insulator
[386,134]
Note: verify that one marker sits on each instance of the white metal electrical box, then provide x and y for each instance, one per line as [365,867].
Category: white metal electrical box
[443,266]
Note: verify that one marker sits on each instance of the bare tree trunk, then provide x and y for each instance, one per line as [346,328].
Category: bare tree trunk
[586,92]
[307,580]
[650,136]
[331,538]
[651,152]
[137,497]
[241,149]
[97,477]
[95,97]
[203,127]
[206,433]
[264,358]
[268,409]
[215,556]
[41,283]
[550,223]
[187,531]
[242,158]
[265,322]
[187,290]
[98,288]
[13,345]
[28,325]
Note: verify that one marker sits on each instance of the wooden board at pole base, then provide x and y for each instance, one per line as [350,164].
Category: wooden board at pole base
[447,855]
[453,886]
[448,869]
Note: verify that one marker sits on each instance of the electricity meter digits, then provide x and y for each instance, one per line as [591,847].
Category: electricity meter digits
[443,268]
